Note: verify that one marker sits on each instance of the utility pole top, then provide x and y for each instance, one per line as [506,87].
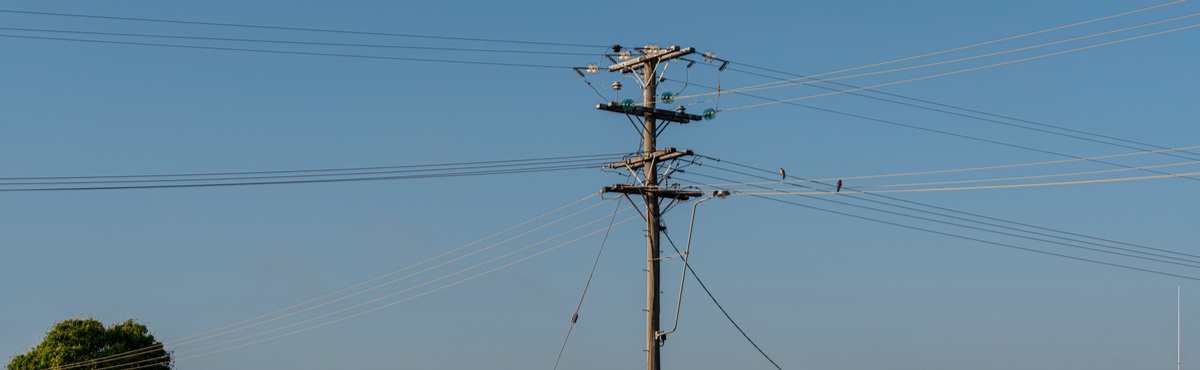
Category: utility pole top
[652,56]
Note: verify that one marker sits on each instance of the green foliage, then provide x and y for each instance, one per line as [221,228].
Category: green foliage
[86,344]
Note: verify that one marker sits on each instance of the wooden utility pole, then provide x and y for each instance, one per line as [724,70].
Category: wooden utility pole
[653,230]
[650,188]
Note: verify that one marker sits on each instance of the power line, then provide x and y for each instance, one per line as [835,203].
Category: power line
[285,182]
[1005,39]
[813,79]
[964,136]
[1072,174]
[575,315]
[972,180]
[390,295]
[1042,45]
[381,277]
[778,101]
[860,188]
[980,217]
[307,29]
[154,361]
[1165,150]
[719,306]
[377,57]
[983,168]
[194,353]
[118,356]
[1187,263]
[599,156]
[241,325]
[393,281]
[1003,220]
[972,238]
[307,43]
[925,101]
[405,299]
[970,220]
[421,169]
[1189,155]
[992,187]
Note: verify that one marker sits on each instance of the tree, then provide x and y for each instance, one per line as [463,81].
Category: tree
[86,344]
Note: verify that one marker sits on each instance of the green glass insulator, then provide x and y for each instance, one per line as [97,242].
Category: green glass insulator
[627,105]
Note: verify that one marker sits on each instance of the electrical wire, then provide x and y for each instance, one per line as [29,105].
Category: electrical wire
[802,82]
[1006,166]
[283,182]
[991,187]
[343,169]
[565,162]
[396,302]
[390,295]
[974,114]
[292,42]
[589,83]
[575,315]
[353,315]
[456,259]
[1155,257]
[381,277]
[861,188]
[286,52]
[986,217]
[304,329]
[948,133]
[778,101]
[405,299]
[191,339]
[1190,263]
[153,362]
[1038,46]
[1003,39]
[719,306]
[808,80]
[1015,178]
[1020,226]
[958,236]
[122,355]
[307,29]
[986,168]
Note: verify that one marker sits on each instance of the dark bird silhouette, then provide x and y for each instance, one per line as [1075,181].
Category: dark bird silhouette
[782,174]
[839,189]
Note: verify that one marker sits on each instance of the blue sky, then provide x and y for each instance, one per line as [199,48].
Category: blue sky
[814,289]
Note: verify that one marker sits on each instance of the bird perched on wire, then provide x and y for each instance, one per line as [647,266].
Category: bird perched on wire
[839,187]
[782,175]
